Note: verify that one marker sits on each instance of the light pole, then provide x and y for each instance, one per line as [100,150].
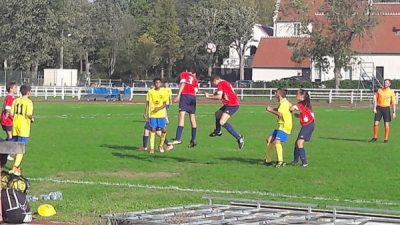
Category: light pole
[62,49]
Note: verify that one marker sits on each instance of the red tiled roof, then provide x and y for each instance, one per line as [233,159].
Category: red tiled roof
[387,8]
[380,39]
[274,52]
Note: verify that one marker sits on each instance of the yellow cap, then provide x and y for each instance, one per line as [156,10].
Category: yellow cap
[46,210]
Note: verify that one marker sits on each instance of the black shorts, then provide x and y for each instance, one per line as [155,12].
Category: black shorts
[187,104]
[306,132]
[230,110]
[6,128]
[383,112]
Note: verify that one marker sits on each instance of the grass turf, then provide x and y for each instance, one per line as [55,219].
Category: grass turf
[96,142]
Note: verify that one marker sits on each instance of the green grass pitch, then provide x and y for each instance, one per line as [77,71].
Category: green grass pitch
[87,151]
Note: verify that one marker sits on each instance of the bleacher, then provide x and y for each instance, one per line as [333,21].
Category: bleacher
[102,94]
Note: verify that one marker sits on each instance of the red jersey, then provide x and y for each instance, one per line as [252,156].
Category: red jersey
[6,120]
[190,82]
[229,97]
[306,115]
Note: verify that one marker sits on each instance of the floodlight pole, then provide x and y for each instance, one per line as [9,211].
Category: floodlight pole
[62,50]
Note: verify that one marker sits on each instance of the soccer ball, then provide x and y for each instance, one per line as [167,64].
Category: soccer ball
[211,48]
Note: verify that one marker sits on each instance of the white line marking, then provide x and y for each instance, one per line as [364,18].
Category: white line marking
[175,188]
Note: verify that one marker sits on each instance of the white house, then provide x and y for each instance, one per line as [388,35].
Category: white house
[378,54]
[259,32]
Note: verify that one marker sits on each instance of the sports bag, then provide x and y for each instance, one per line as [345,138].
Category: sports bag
[15,206]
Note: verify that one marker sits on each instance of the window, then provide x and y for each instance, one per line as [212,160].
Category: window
[297,29]
[348,73]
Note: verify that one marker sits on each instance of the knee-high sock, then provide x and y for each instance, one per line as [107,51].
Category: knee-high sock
[376,130]
[296,153]
[231,130]
[194,133]
[145,141]
[268,156]
[387,129]
[162,138]
[152,139]
[217,126]
[279,152]
[18,160]
[179,131]
[303,156]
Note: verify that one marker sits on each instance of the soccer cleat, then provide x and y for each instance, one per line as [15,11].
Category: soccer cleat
[215,134]
[280,164]
[169,148]
[304,165]
[269,163]
[175,142]
[192,144]
[10,158]
[16,170]
[241,142]
[373,140]
[151,151]
[386,141]
[141,148]
[161,149]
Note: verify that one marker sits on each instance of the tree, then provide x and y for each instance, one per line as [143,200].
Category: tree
[240,24]
[338,23]
[27,31]
[166,32]
[147,54]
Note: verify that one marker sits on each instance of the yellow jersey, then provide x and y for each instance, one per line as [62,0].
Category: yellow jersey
[157,98]
[21,109]
[385,97]
[285,121]
[168,92]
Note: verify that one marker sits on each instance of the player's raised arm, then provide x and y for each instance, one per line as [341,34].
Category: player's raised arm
[273,111]
[217,95]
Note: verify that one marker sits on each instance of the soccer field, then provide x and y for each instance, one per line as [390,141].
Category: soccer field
[87,151]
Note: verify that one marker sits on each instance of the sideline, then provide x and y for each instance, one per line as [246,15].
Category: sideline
[176,188]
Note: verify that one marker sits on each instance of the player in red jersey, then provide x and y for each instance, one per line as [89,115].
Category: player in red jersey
[6,118]
[186,97]
[230,103]
[306,118]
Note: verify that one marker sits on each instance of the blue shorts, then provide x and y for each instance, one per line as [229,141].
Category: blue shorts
[230,110]
[279,135]
[6,128]
[156,123]
[306,132]
[147,125]
[20,139]
[187,104]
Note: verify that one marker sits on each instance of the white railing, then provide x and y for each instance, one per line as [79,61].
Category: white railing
[329,95]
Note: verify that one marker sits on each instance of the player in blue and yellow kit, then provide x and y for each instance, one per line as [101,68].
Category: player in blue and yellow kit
[156,112]
[22,112]
[284,128]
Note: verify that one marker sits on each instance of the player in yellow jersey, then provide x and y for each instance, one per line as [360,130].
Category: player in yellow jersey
[168,92]
[384,98]
[22,112]
[284,128]
[155,112]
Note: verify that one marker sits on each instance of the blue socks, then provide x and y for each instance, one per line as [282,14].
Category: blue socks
[232,131]
[145,141]
[194,133]
[296,153]
[179,131]
[303,157]
[217,126]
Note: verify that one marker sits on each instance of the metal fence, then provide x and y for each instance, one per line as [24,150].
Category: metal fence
[351,96]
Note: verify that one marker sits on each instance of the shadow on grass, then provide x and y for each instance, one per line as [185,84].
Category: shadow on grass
[243,160]
[145,156]
[139,121]
[345,139]
[120,147]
